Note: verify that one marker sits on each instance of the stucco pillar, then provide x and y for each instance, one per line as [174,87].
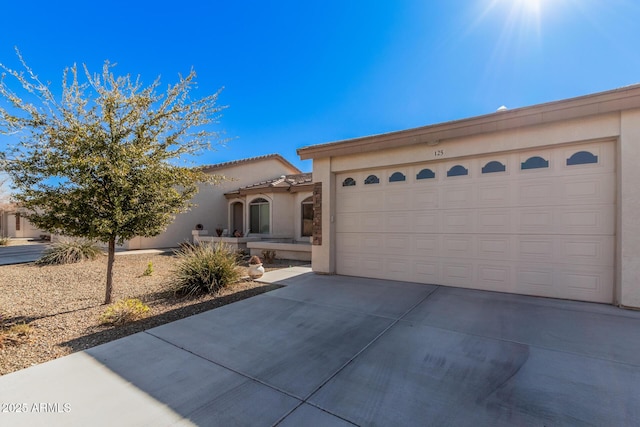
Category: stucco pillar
[322,256]
[133,244]
[628,270]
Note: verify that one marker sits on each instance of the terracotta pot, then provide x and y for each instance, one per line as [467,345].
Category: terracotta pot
[256,271]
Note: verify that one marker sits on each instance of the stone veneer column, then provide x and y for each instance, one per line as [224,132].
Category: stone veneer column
[317,214]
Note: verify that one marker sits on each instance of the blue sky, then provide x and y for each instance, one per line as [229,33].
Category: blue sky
[300,73]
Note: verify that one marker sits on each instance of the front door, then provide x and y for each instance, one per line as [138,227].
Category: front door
[237,217]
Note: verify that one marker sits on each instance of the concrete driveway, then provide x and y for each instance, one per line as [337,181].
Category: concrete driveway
[341,351]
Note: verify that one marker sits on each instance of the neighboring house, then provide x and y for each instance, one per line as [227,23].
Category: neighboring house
[542,200]
[14,224]
[215,211]
[262,198]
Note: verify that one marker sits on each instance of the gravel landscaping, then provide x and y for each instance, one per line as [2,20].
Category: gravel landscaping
[63,304]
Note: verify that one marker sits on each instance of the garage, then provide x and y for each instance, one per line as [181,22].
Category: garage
[537,221]
[540,200]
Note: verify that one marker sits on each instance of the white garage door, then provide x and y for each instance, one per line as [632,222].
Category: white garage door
[537,222]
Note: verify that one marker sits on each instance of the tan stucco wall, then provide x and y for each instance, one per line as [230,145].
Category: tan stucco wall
[628,239]
[212,208]
[27,230]
[282,215]
[11,225]
[602,127]
[622,127]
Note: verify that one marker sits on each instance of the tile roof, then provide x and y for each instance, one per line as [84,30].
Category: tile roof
[208,168]
[284,182]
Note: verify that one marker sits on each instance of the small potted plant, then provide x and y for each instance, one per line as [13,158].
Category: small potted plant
[256,270]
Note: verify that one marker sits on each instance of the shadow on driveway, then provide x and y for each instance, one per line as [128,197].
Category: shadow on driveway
[334,350]
[109,333]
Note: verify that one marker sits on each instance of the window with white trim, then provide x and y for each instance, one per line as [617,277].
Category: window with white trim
[259,216]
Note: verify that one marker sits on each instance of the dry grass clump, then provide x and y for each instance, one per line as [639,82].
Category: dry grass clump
[124,311]
[204,269]
[12,333]
[70,252]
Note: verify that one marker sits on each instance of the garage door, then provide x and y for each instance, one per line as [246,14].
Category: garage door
[537,222]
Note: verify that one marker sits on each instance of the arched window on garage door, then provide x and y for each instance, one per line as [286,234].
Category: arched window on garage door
[349,182]
[372,179]
[535,162]
[458,170]
[494,166]
[397,177]
[426,174]
[582,158]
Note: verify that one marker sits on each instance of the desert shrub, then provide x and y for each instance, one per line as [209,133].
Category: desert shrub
[69,252]
[203,269]
[149,270]
[242,253]
[268,255]
[13,333]
[124,311]
[4,241]
[186,246]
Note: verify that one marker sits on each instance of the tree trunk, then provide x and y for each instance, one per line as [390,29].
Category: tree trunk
[111,258]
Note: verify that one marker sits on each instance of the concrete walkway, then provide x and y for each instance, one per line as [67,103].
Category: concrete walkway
[342,351]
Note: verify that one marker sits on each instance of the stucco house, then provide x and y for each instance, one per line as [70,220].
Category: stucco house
[541,200]
[254,201]
[13,224]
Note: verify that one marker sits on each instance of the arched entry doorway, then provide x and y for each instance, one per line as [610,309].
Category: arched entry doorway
[237,217]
